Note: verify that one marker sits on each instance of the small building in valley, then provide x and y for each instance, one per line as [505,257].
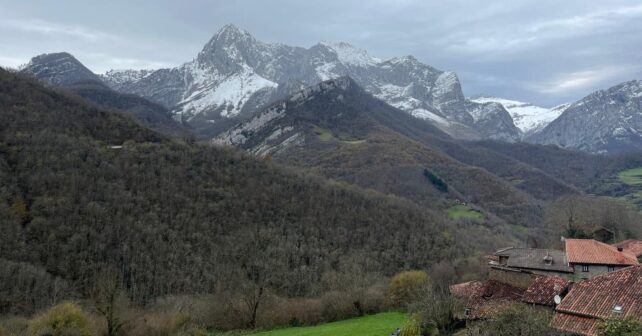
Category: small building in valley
[612,295]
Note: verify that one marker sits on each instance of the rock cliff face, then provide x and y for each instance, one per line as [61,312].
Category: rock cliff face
[605,121]
[235,75]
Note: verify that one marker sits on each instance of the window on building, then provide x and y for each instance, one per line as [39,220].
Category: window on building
[585,268]
[611,268]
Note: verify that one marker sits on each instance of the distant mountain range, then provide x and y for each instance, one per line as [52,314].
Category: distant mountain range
[526,116]
[235,76]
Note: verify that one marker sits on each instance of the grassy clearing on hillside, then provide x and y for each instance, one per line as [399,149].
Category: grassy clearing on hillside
[327,135]
[373,325]
[631,176]
[353,142]
[323,133]
[461,211]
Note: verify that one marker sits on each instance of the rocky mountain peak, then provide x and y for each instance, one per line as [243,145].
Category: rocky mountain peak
[231,33]
[59,69]
[236,75]
[229,43]
[631,88]
[605,121]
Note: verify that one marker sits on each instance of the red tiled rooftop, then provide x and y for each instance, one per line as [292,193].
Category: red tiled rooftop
[465,290]
[575,324]
[596,298]
[589,251]
[492,298]
[631,246]
[544,288]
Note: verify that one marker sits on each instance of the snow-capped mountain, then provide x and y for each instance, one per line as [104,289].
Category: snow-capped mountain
[527,117]
[605,121]
[236,75]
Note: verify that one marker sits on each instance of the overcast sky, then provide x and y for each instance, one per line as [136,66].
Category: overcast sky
[542,51]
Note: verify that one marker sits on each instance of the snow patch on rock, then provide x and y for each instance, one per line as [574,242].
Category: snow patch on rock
[351,55]
[527,117]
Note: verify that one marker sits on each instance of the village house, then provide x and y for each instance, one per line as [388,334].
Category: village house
[582,259]
[611,295]
[589,258]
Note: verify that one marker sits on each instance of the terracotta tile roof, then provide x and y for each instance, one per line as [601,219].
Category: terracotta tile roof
[544,288]
[492,298]
[631,246]
[531,258]
[575,324]
[589,251]
[596,299]
[465,290]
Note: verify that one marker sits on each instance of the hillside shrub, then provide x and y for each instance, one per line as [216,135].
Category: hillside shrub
[621,327]
[65,319]
[405,286]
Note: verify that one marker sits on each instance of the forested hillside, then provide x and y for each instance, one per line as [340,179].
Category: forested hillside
[343,132]
[168,217]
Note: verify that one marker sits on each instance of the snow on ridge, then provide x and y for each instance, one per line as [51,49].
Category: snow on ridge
[119,76]
[229,93]
[324,71]
[351,55]
[527,117]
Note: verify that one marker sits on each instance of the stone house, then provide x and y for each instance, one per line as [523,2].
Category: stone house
[589,258]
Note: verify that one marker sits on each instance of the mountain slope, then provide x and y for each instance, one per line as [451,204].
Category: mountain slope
[65,71]
[235,75]
[168,217]
[605,121]
[340,130]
